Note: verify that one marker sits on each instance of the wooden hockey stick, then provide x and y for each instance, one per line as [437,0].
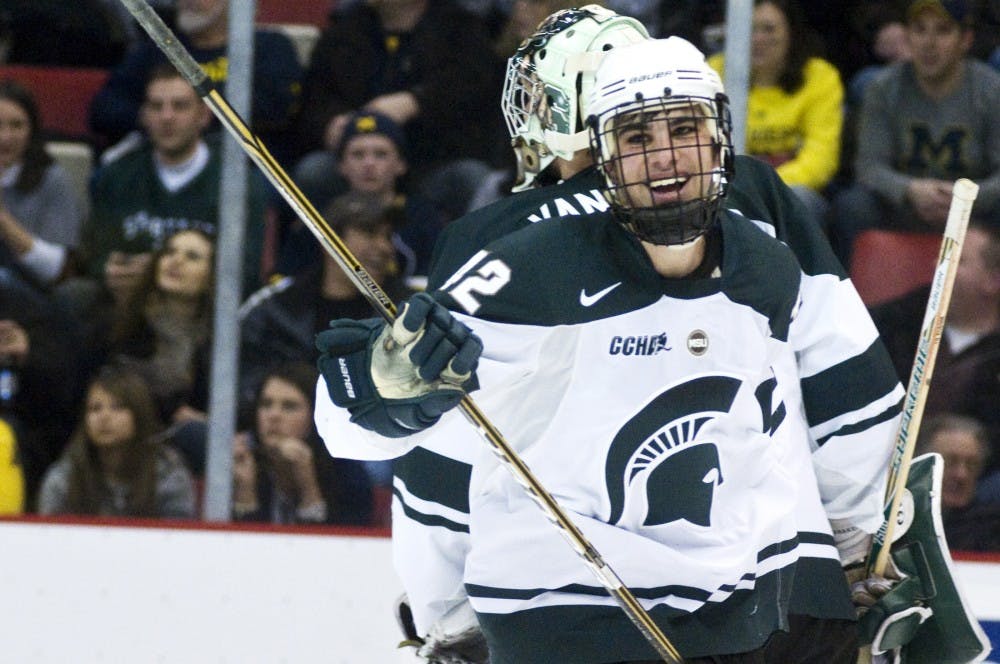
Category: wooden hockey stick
[963,196]
[252,145]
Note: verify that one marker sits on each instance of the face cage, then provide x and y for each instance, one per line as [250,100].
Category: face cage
[675,222]
[522,90]
[523,94]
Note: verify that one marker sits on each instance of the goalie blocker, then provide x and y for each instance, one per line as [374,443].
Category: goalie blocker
[924,619]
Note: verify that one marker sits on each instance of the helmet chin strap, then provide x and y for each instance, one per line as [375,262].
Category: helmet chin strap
[683,246]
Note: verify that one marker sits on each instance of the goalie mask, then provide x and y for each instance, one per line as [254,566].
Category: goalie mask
[550,75]
[661,135]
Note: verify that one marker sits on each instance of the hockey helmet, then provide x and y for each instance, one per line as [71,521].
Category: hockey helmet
[662,88]
[549,77]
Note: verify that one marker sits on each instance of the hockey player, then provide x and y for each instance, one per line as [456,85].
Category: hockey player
[642,363]
[545,79]
[542,104]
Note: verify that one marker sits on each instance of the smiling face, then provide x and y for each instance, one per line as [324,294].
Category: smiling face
[15,132]
[283,411]
[108,422]
[771,38]
[184,269]
[664,155]
[938,45]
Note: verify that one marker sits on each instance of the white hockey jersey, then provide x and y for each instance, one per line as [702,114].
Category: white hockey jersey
[667,417]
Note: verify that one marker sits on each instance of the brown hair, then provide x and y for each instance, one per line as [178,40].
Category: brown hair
[35,160]
[803,44]
[87,485]
[131,320]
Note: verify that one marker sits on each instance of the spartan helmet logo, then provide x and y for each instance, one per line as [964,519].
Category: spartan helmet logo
[658,469]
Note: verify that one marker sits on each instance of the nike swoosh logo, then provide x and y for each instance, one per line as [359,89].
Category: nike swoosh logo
[591,300]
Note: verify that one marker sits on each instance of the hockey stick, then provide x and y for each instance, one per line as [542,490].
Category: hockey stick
[963,196]
[167,42]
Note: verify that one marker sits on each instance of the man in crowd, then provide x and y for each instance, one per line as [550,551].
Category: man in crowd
[170,183]
[203,29]
[923,124]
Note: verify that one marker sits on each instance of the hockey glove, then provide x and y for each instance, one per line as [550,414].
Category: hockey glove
[455,639]
[890,607]
[399,380]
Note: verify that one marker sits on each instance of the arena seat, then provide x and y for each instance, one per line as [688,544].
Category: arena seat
[887,264]
[63,95]
[308,12]
[304,37]
[77,158]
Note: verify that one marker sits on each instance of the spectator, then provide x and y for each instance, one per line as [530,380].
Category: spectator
[426,64]
[280,322]
[521,22]
[203,29]
[888,44]
[794,109]
[371,158]
[11,474]
[962,442]
[282,473]
[967,370]
[986,45]
[163,333]
[40,391]
[40,214]
[116,463]
[922,125]
[878,27]
[170,184]
[80,33]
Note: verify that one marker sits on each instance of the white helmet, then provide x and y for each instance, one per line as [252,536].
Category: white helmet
[549,77]
[650,82]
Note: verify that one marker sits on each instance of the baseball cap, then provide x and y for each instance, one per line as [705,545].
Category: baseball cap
[956,10]
[370,122]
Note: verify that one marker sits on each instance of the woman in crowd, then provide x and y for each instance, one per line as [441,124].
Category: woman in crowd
[116,462]
[794,110]
[282,473]
[163,332]
[40,214]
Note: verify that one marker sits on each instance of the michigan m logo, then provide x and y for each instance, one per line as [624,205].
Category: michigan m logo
[929,156]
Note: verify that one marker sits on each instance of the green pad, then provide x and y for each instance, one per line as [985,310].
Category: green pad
[952,635]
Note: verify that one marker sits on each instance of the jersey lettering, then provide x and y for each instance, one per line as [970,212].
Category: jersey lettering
[488,279]
[586,203]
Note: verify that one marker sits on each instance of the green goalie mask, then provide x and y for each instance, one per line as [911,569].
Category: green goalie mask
[548,77]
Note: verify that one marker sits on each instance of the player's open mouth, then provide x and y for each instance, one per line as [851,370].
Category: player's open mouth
[667,189]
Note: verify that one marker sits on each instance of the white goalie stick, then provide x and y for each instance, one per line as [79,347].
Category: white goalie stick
[168,43]
[963,196]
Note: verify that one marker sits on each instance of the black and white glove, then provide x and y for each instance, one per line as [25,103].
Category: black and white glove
[399,380]
[455,639]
